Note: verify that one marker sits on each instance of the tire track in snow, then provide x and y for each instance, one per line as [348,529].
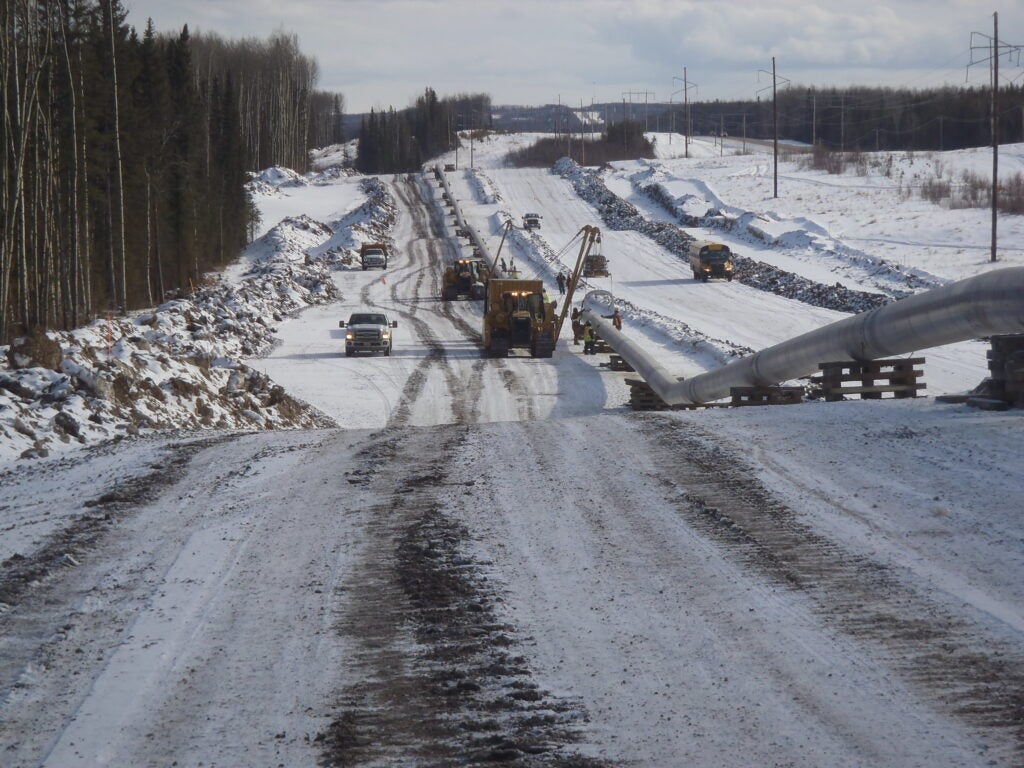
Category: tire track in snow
[464,399]
[440,678]
[959,664]
[512,381]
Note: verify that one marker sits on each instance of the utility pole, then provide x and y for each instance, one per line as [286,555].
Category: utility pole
[775,123]
[842,123]
[687,85]
[814,119]
[583,144]
[686,110]
[721,136]
[995,130]
[624,121]
[994,49]
[775,129]
[645,94]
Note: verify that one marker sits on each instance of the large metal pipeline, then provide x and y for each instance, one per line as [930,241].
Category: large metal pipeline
[985,305]
[460,222]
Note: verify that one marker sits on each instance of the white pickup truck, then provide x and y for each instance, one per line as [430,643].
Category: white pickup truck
[531,220]
[367,332]
[373,256]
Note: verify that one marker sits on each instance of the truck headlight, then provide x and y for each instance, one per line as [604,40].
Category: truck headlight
[385,335]
[728,267]
[349,336]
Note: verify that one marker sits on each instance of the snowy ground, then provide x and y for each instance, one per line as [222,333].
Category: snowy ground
[497,562]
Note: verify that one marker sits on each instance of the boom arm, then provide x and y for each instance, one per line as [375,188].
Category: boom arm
[591,235]
[508,226]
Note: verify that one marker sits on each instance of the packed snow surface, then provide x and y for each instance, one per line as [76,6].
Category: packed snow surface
[495,560]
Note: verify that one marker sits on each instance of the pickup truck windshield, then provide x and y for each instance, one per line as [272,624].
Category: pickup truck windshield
[367,320]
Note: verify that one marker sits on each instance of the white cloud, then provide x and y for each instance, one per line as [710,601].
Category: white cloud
[381,52]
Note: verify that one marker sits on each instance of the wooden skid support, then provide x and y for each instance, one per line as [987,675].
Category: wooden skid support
[744,396]
[870,379]
[616,363]
[643,398]
[1006,364]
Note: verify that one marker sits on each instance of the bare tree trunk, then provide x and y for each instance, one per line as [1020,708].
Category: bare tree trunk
[74,295]
[149,236]
[123,298]
[111,260]
[18,127]
[86,271]
[160,291]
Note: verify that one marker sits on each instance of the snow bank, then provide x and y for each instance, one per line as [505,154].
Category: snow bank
[622,215]
[177,366]
[696,204]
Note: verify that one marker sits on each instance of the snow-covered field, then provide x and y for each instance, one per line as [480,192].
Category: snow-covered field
[497,561]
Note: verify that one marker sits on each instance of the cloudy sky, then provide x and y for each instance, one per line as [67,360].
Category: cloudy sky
[384,52]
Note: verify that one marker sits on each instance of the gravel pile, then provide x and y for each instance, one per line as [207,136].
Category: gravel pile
[619,214]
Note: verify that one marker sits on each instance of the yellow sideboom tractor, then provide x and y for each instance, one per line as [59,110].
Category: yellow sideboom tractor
[517,317]
[465,277]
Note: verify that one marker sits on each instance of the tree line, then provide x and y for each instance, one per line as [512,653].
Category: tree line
[125,155]
[861,118]
[619,141]
[400,141]
[282,115]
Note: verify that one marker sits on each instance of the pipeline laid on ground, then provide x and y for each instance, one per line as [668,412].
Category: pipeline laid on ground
[460,222]
[985,305]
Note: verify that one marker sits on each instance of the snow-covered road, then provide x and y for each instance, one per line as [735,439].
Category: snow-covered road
[435,374]
[495,562]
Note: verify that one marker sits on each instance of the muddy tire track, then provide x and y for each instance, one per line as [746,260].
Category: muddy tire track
[410,282]
[22,576]
[438,239]
[442,681]
[962,666]
[417,287]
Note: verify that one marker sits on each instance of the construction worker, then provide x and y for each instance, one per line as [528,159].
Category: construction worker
[617,320]
[577,326]
[561,283]
[589,339]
